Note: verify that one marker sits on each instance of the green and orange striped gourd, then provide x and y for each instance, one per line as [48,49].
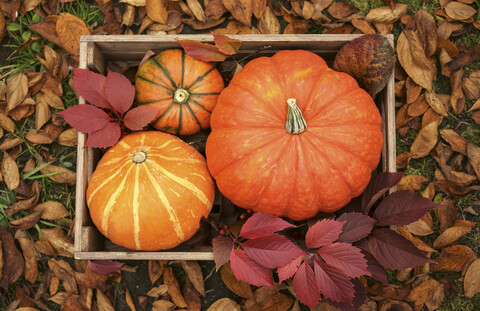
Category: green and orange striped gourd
[185,89]
[149,191]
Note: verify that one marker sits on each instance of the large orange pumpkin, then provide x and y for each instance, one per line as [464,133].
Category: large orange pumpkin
[292,137]
[149,191]
[185,90]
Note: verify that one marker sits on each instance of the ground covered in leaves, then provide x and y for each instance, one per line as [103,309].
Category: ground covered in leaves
[437,81]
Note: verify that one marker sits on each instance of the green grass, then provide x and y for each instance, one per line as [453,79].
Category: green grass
[365,6]
[416,5]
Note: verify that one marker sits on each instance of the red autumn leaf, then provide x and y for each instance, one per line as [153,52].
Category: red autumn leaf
[227,45]
[272,251]
[356,227]
[104,138]
[248,271]
[86,118]
[139,117]
[332,284]
[324,232]
[222,247]
[376,270]
[346,258]
[263,224]
[289,269]
[393,251]
[358,299]
[90,85]
[377,187]
[104,266]
[119,92]
[202,51]
[402,208]
[305,286]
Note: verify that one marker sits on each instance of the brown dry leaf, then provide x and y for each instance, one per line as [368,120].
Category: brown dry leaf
[418,107]
[241,10]
[308,10]
[462,179]
[173,288]
[363,26]
[103,302]
[459,11]
[454,189]
[423,292]
[53,100]
[224,304]
[403,231]
[429,191]
[59,174]
[413,90]
[194,274]
[471,89]
[454,258]
[155,269]
[162,305]
[411,182]
[425,141]
[386,14]
[39,138]
[437,298]
[52,210]
[197,25]
[457,100]
[60,298]
[65,273]
[240,288]
[128,17]
[421,227]
[26,222]
[25,204]
[69,29]
[54,243]
[30,254]
[9,171]
[214,9]
[471,281]
[10,143]
[7,123]
[47,29]
[435,103]
[457,142]
[411,56]
[431,116]
[134,2]
[129,301]
[197,10]
[42,114]
[450,235]
[68,137]
[449,47]
[270,299]
[192,297]
[53,286]
[268,23]
[427,28]
[12,260]
[158,291]
[446,214]
[473,153]
[341,10]
[17,89]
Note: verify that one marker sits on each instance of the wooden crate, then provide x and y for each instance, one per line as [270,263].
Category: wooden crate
[97,52]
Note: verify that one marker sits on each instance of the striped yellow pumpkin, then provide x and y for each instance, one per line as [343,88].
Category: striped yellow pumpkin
[149,192]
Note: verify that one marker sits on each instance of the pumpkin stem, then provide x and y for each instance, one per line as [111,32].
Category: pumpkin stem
[139,157]
[295,122]
[181,96]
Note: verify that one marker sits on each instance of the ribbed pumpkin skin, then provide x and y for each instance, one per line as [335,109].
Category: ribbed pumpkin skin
[161,76]
[258,165]
[154,205]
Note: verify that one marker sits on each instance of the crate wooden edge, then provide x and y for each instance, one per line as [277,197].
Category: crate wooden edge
[88,58]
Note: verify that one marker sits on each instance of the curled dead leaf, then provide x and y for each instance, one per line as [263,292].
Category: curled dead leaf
[158,291]
[10,143]
[54,242]
[436,104]
[173,288]
[17,89]
[162,305]
[473,153]
[224,304]
[454,258]
[103,302]
[459,11]
[30,254]
[38,137]
[268,23]
[386,14]
[425,141]
[422,293]
[52,210]
[26,222]
[42,114]
[196,9]
[240,288]
[6,123]
[59,174]
[450,235]
[13,262]
[421,227]
[241,10]
[411,182]
[9,170]
[194,274]
[69,29]
[155,269]
[471,281]
[192,297]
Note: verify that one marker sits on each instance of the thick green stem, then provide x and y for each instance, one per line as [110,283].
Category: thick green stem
[295,122]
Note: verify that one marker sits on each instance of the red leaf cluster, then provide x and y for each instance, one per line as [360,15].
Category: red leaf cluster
[111,98]
[337,251]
